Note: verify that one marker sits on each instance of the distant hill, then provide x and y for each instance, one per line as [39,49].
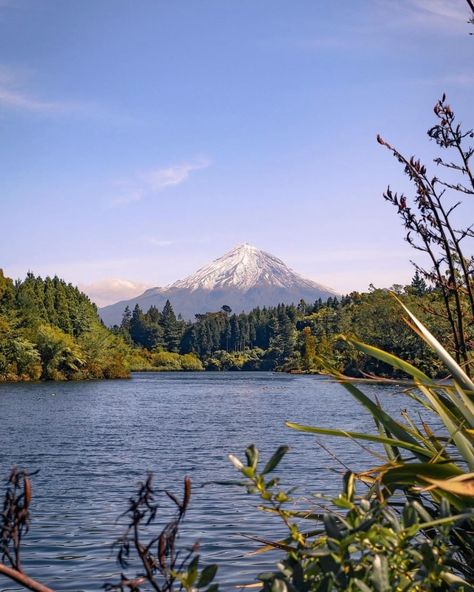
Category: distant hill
[243,279]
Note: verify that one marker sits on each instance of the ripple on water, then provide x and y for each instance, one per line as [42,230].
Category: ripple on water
[93,441]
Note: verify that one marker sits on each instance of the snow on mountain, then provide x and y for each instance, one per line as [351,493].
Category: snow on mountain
[243,268]
[243,278]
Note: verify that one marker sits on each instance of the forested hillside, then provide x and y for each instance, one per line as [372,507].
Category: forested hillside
[294,338]
[50,330]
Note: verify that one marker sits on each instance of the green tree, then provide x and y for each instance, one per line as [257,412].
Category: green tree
[172,328]
[418,284]
[61,356]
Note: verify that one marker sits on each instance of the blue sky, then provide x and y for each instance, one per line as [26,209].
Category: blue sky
[140,140]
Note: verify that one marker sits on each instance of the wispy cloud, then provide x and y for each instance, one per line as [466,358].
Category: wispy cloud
[445,15]
[14,96]
[194,240]
[156,180]
[440,9]
[368,29]
[156,242]
[18,100]
[112,290]
[174,175]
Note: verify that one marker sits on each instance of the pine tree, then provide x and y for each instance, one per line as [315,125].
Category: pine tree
[126,319]
[418,284]
[172,328]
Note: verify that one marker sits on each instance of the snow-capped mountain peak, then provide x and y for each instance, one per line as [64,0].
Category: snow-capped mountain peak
[243,268]
[243,279]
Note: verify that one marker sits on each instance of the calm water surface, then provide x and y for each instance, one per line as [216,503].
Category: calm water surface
[93,441]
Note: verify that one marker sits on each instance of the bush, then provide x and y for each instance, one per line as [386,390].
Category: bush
[369,546]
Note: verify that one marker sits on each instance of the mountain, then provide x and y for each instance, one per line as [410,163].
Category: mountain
[243,279]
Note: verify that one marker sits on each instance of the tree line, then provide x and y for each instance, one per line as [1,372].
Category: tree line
[51,330]
[292,337]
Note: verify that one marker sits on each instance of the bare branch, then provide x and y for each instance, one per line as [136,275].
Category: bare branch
[24,580]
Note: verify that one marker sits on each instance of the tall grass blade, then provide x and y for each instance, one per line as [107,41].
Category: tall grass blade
[391,360]
[457,372]
[413,447]
[455,429]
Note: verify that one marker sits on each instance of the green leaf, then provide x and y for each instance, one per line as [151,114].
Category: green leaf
[391,360]
[192,570]
[279,586]
[207,575]
[252,456]
[412,473]
[275,460]
[332,527]
[457,372]
[398,430]
[380,574]
[455,430]
[465,403]
[362,587]
[349,487]
[419,450]
[410,516]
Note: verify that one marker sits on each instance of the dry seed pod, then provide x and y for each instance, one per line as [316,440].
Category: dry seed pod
[187,493]
[27,492]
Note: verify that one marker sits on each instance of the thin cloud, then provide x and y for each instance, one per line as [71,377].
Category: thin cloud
[443,9]
[18,100]
[14,96]
[112,290]
[195,240]
[156,242]
[156,180]
[444,15]
[159,179]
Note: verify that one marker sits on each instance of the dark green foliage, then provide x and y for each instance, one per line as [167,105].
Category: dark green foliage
[47,325]
[296,338]
[51,330]
[53,302]
[358,543]
[418,284]
[172,328]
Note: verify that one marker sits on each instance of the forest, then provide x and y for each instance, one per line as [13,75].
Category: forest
[49,330]
[291,338]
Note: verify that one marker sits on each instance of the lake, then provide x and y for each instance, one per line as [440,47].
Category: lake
[92,442]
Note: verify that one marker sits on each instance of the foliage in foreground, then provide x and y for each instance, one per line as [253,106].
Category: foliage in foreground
[160,564]
[362,544]
[374,544]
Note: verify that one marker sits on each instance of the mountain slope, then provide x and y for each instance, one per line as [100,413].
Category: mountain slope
[243,279]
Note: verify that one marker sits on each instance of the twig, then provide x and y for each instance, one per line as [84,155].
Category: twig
[23,579]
